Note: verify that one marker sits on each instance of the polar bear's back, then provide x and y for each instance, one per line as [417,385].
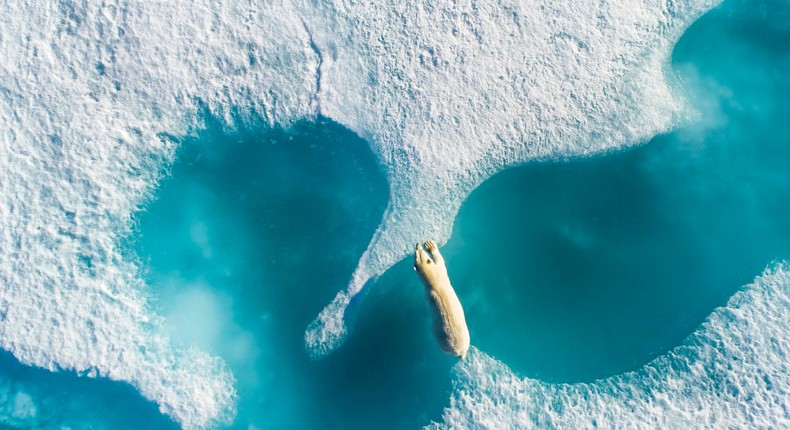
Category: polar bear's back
[449,322]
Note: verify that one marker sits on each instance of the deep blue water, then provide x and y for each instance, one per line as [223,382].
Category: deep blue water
[568,271]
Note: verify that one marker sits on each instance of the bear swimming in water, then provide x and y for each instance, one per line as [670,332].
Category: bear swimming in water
[449,324]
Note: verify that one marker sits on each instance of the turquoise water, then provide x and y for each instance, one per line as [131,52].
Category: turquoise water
[569,271]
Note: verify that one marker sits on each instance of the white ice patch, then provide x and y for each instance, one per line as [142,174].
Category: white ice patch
[733,372]
[17,407]
[449,93]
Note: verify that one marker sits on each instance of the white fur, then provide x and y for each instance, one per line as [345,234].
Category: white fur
[449,323]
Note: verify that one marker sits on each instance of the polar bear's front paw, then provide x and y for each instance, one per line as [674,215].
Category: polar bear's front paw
[430,246]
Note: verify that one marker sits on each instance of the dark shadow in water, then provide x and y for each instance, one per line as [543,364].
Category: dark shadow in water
[583,269]
[390,372]
[73,400]
[275,221]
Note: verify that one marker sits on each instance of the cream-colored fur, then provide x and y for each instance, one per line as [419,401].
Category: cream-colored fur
[449,324]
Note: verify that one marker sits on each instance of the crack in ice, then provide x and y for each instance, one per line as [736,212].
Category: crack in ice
[315,101]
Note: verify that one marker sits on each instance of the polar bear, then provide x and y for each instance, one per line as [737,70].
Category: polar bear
[449,324]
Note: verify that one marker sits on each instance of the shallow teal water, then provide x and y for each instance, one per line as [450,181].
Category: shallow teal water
[569,271]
